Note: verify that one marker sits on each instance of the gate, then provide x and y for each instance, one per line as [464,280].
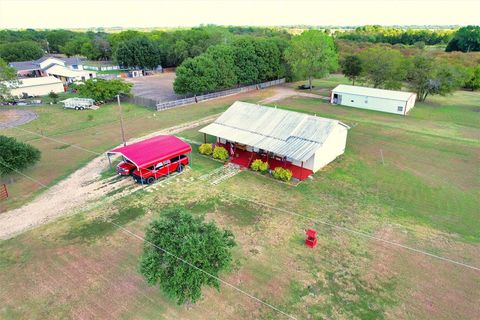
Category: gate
[3,192]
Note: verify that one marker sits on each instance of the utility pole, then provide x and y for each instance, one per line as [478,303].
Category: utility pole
[121,120]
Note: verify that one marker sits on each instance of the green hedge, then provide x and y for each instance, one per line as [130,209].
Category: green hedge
[282,174]
[206,149]
[259,165]
[220,153]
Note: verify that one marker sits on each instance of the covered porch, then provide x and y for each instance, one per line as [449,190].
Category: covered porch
[243,157]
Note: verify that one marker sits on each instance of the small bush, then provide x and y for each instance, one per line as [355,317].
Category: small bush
[206,149]
[220,153]
[282,174]
[259,165]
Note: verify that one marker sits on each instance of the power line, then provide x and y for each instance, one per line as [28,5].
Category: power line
[338,227]
[356,232]
[56,140]
[205,272]
[175,256]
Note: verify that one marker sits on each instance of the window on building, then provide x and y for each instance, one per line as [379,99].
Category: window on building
[400,108]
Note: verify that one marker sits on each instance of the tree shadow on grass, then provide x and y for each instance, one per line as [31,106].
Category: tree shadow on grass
[91,230]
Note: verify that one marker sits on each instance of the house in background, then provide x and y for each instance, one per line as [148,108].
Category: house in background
[296,141]
[39,86]
[68,70]
[398,102]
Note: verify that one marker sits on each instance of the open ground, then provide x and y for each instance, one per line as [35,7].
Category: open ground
[157,87]
[412,181]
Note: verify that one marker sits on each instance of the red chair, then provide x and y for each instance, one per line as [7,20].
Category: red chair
[311,240]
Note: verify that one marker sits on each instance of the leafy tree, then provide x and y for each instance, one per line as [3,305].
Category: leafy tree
[352,67]
[21,51]
[57,39]
[103,90]
[312,54]
[138,52]
[429,77]
[224,59]
[16,155]
[210,71]
[384,67]
[420,75]
[8,78]
[74,46]
[54,96]
[466,39]
[246,61]
[179,235]
[473,81]
[196,75]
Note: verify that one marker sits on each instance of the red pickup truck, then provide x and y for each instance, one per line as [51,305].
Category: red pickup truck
[163,168]
[125,168]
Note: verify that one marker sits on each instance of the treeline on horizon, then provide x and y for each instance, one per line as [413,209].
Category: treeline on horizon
[211,58]
[178,44]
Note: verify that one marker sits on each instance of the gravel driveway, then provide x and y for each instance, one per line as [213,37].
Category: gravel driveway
[157,87]
[15,117]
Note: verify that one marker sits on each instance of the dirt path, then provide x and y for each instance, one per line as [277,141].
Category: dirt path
[74,192]
[284,92]
[15,117]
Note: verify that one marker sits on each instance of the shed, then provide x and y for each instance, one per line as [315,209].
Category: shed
[151,151]
[36,86]
[398,102]
[299,142]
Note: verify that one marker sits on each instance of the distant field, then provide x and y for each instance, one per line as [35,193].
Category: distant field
[423,194]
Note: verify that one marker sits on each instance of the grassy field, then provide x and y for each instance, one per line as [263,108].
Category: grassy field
[423,194]
[96,130]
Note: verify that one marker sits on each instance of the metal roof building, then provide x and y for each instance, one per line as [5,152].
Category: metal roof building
[398,102]
[36,86]
[297,137]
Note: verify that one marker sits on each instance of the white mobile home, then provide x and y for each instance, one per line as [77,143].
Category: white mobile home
[398,102]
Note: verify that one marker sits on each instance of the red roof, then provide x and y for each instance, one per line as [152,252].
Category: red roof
[151,151]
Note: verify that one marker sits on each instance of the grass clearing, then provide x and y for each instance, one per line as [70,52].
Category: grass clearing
[424,194]
[99,134]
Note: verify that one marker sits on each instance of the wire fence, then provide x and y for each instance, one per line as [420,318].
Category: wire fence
[196,99]
[163,105]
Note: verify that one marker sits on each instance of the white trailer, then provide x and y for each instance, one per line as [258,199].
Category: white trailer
[79,103]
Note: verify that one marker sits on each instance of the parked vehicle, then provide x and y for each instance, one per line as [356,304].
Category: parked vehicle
[163,168]
[125,168]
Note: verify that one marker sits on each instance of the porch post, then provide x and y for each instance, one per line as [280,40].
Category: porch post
[204,138]
[301,172]
[109,160]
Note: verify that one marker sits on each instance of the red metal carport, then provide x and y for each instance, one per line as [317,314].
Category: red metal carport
[151,151]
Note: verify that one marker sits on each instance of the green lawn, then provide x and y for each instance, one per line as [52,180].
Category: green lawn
[96,130]
[423,194]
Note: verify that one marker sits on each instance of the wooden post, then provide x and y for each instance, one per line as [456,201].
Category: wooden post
[204,138]
[109,161]
[301,172]
[121,120]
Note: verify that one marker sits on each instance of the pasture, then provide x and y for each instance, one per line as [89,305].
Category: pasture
[412,181]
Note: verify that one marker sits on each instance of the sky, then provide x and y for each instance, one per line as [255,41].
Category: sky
[187,13]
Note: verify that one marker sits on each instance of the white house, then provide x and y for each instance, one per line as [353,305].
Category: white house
[297,141]
[39,86]
[68,70]
[67,75]
[398,102]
